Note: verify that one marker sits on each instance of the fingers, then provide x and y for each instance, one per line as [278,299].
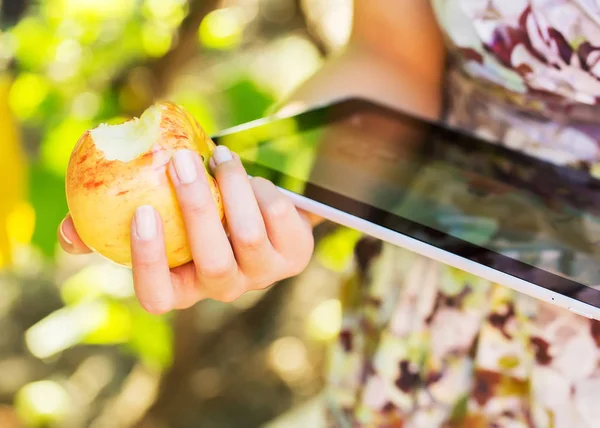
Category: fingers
[289,232]
[69,239]
[213,256]
[151,275]
[269,238]
[185,286]
[313,219]
[244,219]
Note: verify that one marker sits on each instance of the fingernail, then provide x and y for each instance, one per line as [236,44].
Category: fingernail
[145,223]
[62,233]
[222,154]
[185,167]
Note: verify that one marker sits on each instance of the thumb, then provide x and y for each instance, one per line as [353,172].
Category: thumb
[69,238]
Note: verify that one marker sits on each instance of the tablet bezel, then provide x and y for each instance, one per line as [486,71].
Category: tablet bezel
[409,234]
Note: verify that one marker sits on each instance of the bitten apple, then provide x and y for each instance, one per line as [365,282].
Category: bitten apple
[114,169]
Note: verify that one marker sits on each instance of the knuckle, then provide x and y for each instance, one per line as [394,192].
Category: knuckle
[251,238]
[230,170]
[147,261]
[279,208]
[230,295]
[156,306]
[197,206]
[260,182]
[220,269]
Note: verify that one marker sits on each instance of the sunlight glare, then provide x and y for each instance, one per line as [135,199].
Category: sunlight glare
[325,321]
[42,403]
[64,328]
[289,358]
[222,29]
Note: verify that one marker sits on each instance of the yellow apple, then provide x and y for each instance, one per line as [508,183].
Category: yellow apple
[114,169]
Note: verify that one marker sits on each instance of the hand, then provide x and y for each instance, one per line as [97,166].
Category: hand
[269,239]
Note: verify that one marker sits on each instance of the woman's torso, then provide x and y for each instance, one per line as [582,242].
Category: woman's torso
[425,345]
[527,73]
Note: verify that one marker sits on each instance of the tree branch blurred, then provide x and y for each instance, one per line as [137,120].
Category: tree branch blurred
[158,74]
[11,11]
[167,66]
[154,79]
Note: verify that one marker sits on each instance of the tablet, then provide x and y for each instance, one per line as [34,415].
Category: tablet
[510,218]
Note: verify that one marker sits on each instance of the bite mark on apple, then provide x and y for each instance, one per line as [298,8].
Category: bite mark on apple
[129,140]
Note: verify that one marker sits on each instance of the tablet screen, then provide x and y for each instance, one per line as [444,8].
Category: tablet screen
[525,217]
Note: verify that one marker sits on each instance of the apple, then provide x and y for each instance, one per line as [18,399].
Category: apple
[114,169]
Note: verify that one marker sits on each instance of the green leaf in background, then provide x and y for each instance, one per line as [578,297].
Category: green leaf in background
[109,106]
[36,42]
[170,12]
[98,280]
[156,39]
[92,10]
[47,193]
[28,92]
[104,321]
[336,250]
[200,109]
[66,327]
[115,326]
[59,142]
[222,29]
[43,404]
[247,101]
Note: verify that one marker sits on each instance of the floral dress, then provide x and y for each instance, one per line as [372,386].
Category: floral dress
[426,345]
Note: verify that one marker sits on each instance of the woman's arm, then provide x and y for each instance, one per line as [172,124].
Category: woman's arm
[395,56]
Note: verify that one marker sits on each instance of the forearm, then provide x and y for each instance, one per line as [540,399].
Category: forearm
[395,55]
[361,72]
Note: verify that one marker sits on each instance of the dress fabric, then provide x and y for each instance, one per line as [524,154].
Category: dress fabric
[423,344]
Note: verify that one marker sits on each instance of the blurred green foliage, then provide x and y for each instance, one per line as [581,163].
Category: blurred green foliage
[71,58]
[65,67]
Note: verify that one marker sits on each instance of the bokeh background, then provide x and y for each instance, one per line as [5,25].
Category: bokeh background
[76,350]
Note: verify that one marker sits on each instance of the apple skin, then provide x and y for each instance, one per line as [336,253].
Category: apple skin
[103,194]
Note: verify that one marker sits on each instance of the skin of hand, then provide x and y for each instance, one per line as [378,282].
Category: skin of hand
[270,239]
